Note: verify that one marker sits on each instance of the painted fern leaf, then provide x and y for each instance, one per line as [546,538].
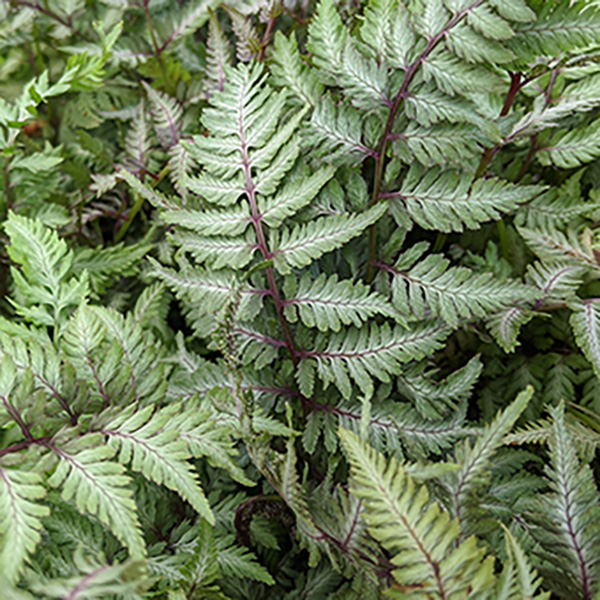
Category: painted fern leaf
[305,243]
[371,352]
[433,398]
[453,293]
[20,519]
[327,303]
[98,486]
[445,201]
[143,440]
[47,291]
[518,580]
[568,517]
[573,148]
[421,537]
[585,321]
[474,460]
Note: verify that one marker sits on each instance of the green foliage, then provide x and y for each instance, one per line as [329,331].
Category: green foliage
[284,287]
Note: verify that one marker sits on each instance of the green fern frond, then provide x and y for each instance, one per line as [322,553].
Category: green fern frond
[288,71]
[573,148]
[99,486]
[446,201]
[367,353]
[105,265]
[336,134]
[567,517]
[327,303]
[206,437]
[218,53]
[143,439]
[557,279]
[300,246]
[20,519]
[552,245]
[558,207]
[585,321]
[433,399]
[557,28]
[474,460]
[235,561]
[166,114]
[47,292]
[453,293]
[518,580]
[393,426]
[506,325]
[421,537]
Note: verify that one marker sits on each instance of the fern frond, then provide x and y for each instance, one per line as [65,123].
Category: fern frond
[288,71]
[205,437]
[453,293]
[552,245]
[142,439]
[557,279]
[300,246]
[327,303]
[393,426]
[558,207]
[137,142]
[573,148]
[292,197]
[446,201]
[376,28]
[421,537]
[281,472]
[585,321]
[433,399]
[166,114]
[370,352]
[46,291]
[440,144]
[474,460]
[327,39]
[208,291]
[218,251]
[99,486]
[218,53]
[564,27]
[335,134]
[20,519]
[104,265]
[518,580]
[95,578]
[236,561]
[568,529]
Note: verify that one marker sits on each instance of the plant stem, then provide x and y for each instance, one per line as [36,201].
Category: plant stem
[12,411]
[402,92]
[6,180]
[264,249]
[66,22]
[139,202]
[24,444]
[157,48]
[266,38]
[488,155]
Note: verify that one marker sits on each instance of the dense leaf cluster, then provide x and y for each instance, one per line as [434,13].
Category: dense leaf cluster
[299,299]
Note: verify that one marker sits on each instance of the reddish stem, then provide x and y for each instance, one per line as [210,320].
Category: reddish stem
[402,93]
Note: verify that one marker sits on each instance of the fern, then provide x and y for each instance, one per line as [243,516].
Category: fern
[401,517]
[450,293]
[236,235]
[573,506]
